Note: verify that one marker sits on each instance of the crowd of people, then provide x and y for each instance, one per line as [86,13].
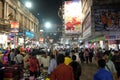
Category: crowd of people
[62,64]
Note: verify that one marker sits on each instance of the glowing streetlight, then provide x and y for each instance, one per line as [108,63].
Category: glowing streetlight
[28,4]
[47,24]
[41,30]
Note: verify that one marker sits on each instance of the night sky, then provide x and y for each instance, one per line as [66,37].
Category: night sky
[46,10]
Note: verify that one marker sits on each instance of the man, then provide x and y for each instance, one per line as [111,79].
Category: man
[76,68]
[18,58]
[76,54]
[62,71]
[52,65]
[45,61]
[116,60]
[102,73]
[110,65]
[68,59]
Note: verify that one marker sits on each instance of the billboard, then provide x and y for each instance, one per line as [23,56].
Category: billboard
[72,17]
[107,19]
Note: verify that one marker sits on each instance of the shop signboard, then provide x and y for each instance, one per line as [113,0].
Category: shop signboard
[29,34]
[14,30]
[112,37]
[107,19]
[11,36]
[87,26]
[14,24]
[72,17]
[112,42]
[118,37]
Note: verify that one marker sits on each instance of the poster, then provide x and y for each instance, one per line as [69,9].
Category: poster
[107,19]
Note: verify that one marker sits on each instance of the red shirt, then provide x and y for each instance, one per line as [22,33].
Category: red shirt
[34,64]
[62,72]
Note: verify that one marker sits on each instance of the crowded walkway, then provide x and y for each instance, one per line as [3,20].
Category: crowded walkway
[36,64]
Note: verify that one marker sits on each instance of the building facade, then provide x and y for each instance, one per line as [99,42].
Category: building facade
[12,12]
[101,23]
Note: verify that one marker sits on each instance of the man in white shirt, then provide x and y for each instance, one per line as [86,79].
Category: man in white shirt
[18,58]
[110,65]
[45,61]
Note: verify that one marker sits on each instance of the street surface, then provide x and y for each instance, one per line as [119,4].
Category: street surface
[88,70]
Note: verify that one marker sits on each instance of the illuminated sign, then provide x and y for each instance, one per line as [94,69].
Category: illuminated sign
[14,24]
[72,17]
[3,39]
[29,34]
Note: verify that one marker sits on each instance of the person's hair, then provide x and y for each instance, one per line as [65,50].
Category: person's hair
[73,51]
[106,53]
[60,59]
[73,57]
[101,63]
[52,56]
[17,51]
[66,53]
[13,50]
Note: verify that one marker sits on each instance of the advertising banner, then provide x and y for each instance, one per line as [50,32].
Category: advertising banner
[72,17]
[87,26]
[107,19]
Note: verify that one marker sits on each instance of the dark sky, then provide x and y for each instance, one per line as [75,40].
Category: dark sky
[47,10]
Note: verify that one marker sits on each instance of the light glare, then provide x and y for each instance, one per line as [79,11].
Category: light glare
[47,25]
[28,4]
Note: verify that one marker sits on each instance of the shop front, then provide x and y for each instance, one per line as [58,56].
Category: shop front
[106,42]
[98,42]
[28,39]
[3,41]
[113,41]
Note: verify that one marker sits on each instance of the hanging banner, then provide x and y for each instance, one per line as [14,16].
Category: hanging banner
[72,17]
[107,19]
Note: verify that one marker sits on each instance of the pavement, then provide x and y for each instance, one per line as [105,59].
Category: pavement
[88,71]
